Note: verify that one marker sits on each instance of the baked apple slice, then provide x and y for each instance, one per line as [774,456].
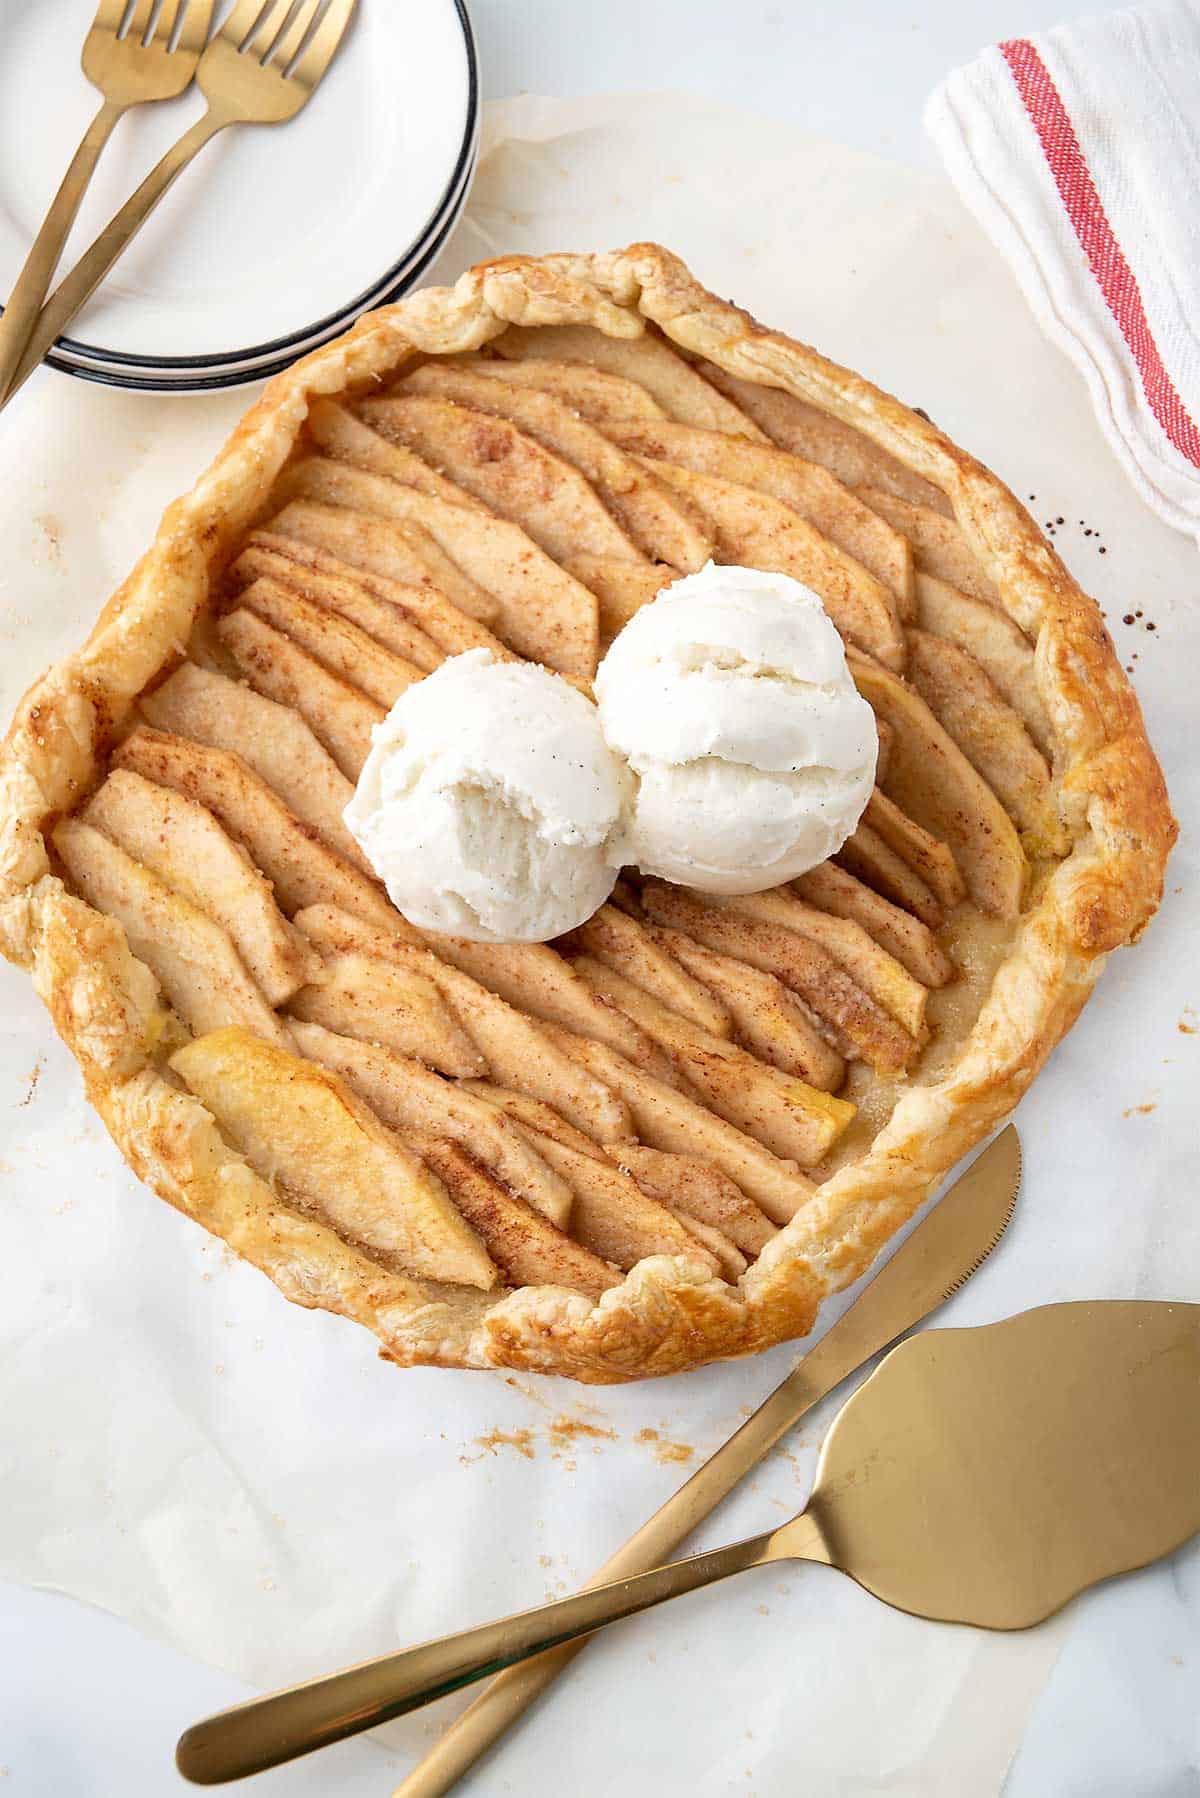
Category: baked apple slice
[298,1125]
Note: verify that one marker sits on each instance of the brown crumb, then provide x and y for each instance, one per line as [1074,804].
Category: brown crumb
[521,1440]
[1140,1110]
[1187,1025]
[35,1075]
[665,1451]
[566,1429]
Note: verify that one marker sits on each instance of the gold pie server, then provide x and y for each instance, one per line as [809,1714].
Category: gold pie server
[978,1476]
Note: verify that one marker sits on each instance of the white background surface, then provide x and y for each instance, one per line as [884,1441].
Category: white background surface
[87,1706]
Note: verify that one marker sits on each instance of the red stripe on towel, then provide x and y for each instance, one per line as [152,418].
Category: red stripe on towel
[1116,279]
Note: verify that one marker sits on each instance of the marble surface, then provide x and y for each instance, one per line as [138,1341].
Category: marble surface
[87,1704]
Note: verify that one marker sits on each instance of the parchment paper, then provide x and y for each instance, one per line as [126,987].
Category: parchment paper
[247,1481]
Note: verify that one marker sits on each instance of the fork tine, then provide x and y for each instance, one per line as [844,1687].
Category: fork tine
[197,18]
[140,20]
[272,18]
[328,35]
[241,22]
[290,40]
[109,14]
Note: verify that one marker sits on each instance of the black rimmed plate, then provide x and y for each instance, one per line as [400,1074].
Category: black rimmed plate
[277,238]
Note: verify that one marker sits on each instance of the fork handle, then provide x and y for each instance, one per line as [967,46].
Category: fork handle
[33,282]
[268,1731]
[92,267]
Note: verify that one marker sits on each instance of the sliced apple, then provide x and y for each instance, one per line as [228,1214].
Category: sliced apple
[537,980]
[796,1121]
[869,859]
[833,890]
[183,844]
[884,733]
[926,855]
[701,1191]
[768,1018]
[527,1247]
[756,531]
[404,1093]
[668,1119]
[271,739]
[661,527]
[931,779]
[511,472]
[805,486]
[337,431]
[996,643]
[853,1017]
[301,868]
[938,544]
[334,931]
[347,598]
[611,1215]
[534,1115]
[299,1125]
[384,1001]
[648,360]
[542,612]
[419,607]
[591,392]
[631,949]
[969,706]
[519,1052]
[621,588]
[191,957]
[731,1263]
[339,716]
[336,643]
[805,430]
[868,964]
[395,551]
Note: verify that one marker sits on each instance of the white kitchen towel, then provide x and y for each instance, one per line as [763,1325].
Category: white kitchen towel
[1079,153]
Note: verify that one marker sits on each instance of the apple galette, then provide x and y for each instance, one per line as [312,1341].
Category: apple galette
[665,1137]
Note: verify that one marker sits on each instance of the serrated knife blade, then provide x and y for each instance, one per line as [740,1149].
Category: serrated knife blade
[939,1257]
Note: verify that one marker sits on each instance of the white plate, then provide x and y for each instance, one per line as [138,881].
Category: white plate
[201,374]
[276,236]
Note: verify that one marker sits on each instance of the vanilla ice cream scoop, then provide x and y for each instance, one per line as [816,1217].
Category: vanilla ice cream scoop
[490,805]
[752,752]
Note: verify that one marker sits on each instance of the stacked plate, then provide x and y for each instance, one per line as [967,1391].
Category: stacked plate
[276,238]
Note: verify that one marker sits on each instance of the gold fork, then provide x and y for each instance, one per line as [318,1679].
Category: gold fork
[262,66]
[129,69]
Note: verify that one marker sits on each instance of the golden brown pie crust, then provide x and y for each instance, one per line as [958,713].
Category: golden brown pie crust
[665,1315]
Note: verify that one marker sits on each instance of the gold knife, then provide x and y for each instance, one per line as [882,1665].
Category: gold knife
[939,1256]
